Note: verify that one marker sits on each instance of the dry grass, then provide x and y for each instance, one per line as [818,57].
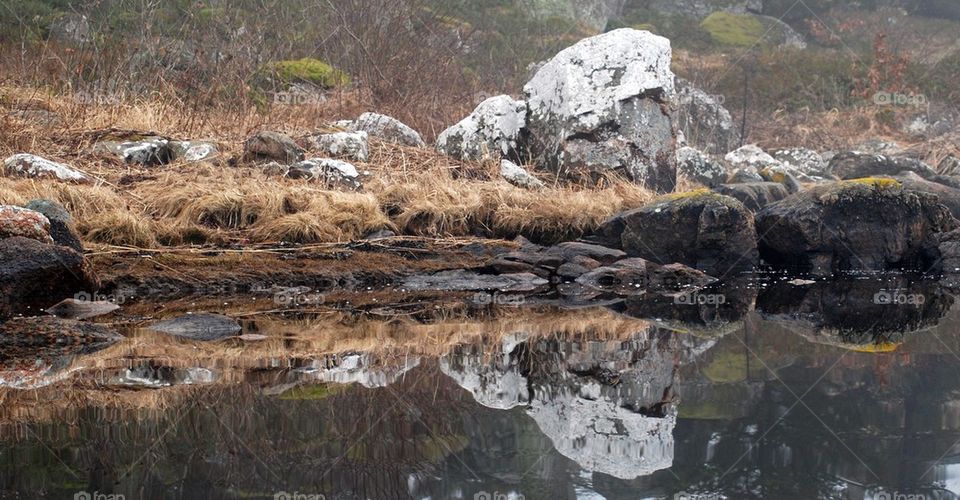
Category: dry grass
[412,191]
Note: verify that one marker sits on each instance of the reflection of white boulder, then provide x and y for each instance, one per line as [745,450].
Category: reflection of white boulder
[588,422]
[356,369]
[601,436]
[498,385]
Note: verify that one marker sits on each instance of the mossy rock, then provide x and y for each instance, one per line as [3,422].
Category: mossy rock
[739,30]
[306,70]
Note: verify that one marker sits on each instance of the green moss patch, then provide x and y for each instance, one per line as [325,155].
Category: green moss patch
[308,70]
[740,30]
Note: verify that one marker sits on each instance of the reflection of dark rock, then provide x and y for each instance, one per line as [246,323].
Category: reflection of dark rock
[81,309]
[199,327]
[707,231]
[857,311]
[712,311]
[31,349]
[636,276]
[605,405]
[872,224]
[461,280]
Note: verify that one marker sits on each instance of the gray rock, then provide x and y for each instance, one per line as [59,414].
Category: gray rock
[703,119]
[639,276]
[699,167]
[467,281]
[194,151]
[266,146]
[353,145]
[516,175]
[593,14]
[334,173]
[750,157]
[745,176]
[149,151]
[386,129]
[81,309]
[857,165]
[62,229]
[28,165]
[950,165]
[492,131]
[201,326]
[755,195]
[600,107]
[878,147]
[803,160]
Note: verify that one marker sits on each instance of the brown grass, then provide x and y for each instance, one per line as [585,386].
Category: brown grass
[412,191]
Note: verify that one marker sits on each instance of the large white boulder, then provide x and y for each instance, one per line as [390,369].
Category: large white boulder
[386,128]
[28,165]
[353,145]
[492,131]
[601,105]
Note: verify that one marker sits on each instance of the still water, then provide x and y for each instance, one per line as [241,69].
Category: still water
[813,391]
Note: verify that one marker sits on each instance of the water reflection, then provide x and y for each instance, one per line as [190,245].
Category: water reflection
[782,391]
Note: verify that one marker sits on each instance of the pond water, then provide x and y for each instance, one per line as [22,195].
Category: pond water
[813,391]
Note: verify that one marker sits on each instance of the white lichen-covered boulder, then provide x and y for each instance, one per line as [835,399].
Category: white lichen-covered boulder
[601,106]
[335,173]
[518,176]
[147,151]
[28,165]
[492,131]
[385,128]
[752,157]
[699,167]
[805,161]
[353,145]
[194,151]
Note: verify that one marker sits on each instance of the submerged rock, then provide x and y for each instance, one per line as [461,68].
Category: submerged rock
[707,231]
[62,229]
[600,106]
[81,309]
[516,175]
[37,275]
[386,128]
[28,165]
[17,221]
[351,145]
[492,131]
[266,146]
[201,326]
[866,224]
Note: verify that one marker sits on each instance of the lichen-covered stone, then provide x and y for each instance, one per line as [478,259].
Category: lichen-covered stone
[28,165]
[492,131]
[17,221]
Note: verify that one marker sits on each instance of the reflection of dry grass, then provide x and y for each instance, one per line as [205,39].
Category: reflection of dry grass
[389,341]
[414,190]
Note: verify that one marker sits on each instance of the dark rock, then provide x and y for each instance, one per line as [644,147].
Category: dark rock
[639,276]
[62,228]
[708,231]
[37,275]
[576,267]
[572,249]
[201,326]
[744,176]
[948,195]
[755,195]
[856,165]
[266,145]
[781,175]
[871,224]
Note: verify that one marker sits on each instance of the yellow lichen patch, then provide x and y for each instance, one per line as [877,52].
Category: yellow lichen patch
[773,175]
[882,347]
[696,193]
[874,182]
